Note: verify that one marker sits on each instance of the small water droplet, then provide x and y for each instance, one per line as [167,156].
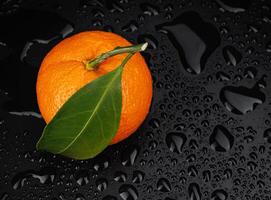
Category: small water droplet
[82,177]
[192,171]
[250,72]
[222,76]
[231,55]
[101,184]
[130,27]
[149,9]
[138,176]
[219,195]
[163,185]
[120,177]
[128,192]
[80,197]
[194,191]
[175,141]
[129,156]
[267,135]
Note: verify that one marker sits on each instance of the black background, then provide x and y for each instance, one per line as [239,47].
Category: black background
[207,135]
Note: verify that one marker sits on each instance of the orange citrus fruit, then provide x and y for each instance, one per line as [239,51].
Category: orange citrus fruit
[63,72]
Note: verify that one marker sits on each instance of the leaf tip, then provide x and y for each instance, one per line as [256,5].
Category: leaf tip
[144,46]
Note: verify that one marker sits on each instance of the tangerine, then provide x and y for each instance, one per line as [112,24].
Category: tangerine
[63,72]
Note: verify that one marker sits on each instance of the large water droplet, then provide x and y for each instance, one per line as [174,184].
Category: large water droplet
[194,191]
[241,100]
[44,176]
[163,185]
[128,192]
[193,44]
[37,29]
[221,139]
[175,141]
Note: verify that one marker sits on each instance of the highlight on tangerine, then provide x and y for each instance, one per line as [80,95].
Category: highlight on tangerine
[63,72]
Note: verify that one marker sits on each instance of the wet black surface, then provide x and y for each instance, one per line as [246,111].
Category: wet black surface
[208,134]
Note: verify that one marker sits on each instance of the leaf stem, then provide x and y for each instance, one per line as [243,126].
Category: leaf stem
[93,64]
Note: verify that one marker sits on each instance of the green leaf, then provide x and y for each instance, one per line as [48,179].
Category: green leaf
[86,124]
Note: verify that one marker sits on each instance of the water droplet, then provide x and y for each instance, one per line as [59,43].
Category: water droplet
[82,177]
[252,165]
[222,76]
[101,184]
[268,47]
[241,100]
[193,45]
[44,176]
[192,171]
[163,185]
[120,177]
[101,164]
[149,9]
[267,135]
[221,139]
[80,197]
[219,195]
[194,191]
[154,123]
[37,29]
[130,27]
[193,144]
[128,192]
[113,6]
[231,55]
[234,6]
[129,156]
[250,72]
[175,141]
[4,196]
[206,175]
[227,173]
[138,176]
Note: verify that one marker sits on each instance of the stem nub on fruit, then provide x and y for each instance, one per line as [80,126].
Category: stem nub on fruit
[94,63]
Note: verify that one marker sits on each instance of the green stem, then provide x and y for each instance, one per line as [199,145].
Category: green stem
[93,64]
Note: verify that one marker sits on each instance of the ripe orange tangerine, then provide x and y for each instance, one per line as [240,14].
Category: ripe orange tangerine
[63,72]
